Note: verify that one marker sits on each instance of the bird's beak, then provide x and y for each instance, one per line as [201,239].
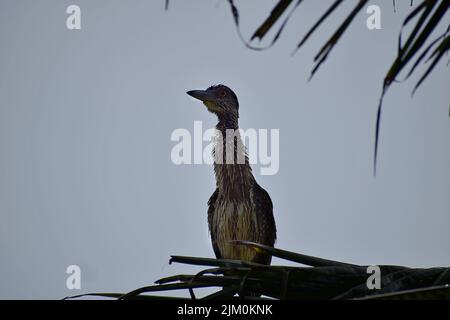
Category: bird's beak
[201,95]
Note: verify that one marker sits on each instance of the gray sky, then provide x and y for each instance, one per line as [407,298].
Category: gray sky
[85,124]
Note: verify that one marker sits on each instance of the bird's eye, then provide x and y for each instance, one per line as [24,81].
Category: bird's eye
[222,93]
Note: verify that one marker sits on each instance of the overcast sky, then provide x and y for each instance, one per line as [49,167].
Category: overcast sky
[86,118]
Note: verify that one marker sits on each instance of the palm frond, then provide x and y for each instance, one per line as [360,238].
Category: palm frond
[328,279]
[429,15]
[290,256]
[430,293]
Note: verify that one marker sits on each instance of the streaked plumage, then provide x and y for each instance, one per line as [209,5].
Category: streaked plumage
[239,209]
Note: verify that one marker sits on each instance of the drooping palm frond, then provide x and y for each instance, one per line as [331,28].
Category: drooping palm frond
[316,278]
[429,15]
[432,15]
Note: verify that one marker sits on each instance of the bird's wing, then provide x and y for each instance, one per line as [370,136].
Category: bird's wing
[266,222]
[264,214]
[211,209]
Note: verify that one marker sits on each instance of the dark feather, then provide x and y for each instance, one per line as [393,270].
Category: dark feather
[266,221]
[211,208]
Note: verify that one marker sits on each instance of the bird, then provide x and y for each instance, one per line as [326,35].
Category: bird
[239,208]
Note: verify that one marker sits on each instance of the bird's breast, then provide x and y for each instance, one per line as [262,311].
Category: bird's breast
[235,221]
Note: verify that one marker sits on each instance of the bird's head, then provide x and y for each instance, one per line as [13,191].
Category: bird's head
[219,100]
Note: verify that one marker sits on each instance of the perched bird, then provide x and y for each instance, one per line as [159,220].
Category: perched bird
[239,209]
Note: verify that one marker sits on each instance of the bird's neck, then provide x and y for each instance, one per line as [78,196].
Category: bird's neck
[234,176]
